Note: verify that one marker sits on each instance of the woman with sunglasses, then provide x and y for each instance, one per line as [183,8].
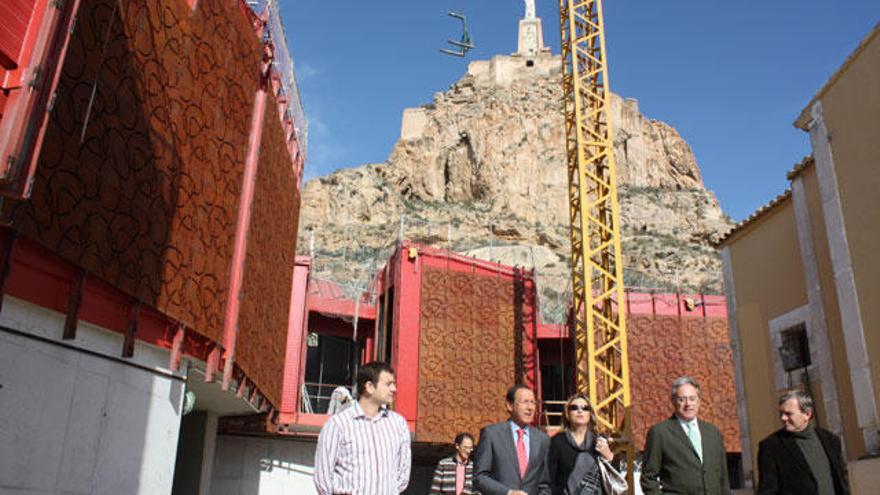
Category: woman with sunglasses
[573,460]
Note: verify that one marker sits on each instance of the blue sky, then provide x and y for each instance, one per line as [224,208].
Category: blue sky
[730,76]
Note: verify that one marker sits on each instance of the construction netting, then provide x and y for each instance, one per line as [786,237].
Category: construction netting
[352,261]
[284,67]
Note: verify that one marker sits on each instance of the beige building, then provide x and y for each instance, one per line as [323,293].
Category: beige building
[803,279]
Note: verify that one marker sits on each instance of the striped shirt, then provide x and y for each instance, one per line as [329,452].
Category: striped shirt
[358,455]
[446,478]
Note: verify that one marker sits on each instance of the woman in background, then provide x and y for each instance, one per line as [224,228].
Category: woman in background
[454,475]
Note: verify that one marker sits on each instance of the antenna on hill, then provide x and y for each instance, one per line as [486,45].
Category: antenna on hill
[464,44]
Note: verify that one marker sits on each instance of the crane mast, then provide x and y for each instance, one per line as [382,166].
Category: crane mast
[598,305]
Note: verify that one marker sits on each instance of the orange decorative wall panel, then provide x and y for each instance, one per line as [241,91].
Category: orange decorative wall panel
[140,174]
[271,255]
[470,341]
[662,348]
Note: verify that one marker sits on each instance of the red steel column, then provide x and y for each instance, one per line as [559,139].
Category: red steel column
[405,354]
[294,362]
[233,296]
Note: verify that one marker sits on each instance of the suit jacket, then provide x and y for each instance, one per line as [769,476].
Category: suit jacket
[783,469]
[495,466]
[671,465]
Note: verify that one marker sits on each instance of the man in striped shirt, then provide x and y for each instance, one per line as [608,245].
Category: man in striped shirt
[365,449]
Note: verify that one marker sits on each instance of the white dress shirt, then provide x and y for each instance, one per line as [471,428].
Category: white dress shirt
[358,455]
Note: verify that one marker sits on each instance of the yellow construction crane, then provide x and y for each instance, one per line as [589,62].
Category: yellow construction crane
[597,270]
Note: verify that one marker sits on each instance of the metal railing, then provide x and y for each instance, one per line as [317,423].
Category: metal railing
[552,413]
[283,66]
[316,397]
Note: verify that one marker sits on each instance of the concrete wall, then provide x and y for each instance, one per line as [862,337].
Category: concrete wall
[769,284]
[78,422]
[503,70]
[263,466]
[851,111]
[195,454]
[279,466]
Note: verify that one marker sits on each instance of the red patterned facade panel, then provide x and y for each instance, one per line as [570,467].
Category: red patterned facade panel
[140,174]
[662,348]
[271,256]
[15,15]
[471,327]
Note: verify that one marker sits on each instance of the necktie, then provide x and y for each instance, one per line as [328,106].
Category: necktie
[694,436]
[521,455]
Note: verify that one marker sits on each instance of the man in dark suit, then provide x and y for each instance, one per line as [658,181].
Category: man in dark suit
[800,458]
[684,455]
[511,458]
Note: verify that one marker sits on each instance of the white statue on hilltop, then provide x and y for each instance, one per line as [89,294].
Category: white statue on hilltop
[530,10]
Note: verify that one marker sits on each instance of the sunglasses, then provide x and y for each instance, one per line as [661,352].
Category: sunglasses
[575,407]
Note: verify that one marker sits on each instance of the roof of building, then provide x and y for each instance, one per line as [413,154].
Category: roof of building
[803,119]
[800,167]
[754,217]
[333,299]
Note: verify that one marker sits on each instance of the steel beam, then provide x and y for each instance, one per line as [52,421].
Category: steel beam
[597,272]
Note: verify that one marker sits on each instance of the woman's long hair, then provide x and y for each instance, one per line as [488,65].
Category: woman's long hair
[566,424]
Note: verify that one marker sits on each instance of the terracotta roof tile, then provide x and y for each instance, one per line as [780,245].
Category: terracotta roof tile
[799,167]
[759,213]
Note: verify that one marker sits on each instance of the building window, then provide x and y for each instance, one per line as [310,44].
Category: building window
[795,348]
[789,340]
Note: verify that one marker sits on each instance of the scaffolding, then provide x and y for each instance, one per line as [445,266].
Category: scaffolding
[598,313]
[284,67]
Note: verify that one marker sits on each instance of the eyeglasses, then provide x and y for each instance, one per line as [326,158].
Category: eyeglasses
[575,407]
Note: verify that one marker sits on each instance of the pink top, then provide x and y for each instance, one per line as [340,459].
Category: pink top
[459,477]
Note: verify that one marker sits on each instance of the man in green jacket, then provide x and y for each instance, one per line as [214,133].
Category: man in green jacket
[684,455]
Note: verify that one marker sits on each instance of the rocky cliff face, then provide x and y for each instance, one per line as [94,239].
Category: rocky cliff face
[481,170]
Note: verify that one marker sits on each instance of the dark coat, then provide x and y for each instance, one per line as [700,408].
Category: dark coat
[783,469]
[671,465]
[561,461]
[496,469]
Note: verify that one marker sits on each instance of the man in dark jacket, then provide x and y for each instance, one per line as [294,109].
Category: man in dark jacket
[800,458]
[683,454]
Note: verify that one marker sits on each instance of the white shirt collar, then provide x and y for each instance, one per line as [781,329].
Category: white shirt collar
[359,411]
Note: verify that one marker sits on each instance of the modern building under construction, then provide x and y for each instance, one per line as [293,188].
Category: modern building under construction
[459,331]
[159,335]
[151,173]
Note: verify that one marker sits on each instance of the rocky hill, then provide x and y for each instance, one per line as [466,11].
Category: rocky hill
[481,170]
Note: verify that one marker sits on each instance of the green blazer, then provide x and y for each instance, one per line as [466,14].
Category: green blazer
[671,465]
